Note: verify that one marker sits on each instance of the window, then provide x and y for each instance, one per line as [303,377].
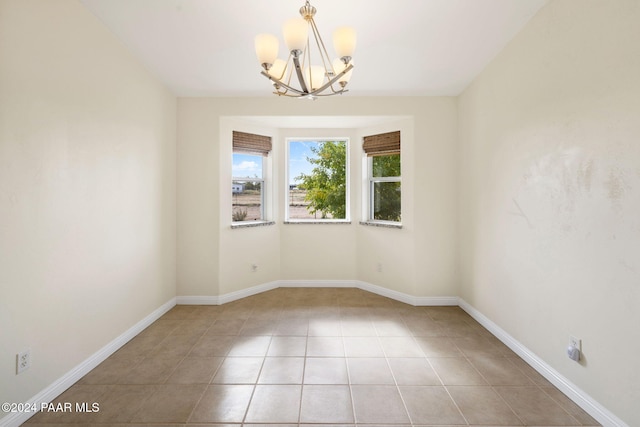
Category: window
[384,177]
[317,180]
[248,183]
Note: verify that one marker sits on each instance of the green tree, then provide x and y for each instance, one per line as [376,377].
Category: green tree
[386,195]
[326,185]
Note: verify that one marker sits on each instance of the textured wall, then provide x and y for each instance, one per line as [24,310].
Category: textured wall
[550,193]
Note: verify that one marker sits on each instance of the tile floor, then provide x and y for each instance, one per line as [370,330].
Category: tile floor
[316,357]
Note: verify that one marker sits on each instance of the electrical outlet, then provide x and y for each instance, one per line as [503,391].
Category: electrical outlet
[575,342]
[23,361]
[379,267]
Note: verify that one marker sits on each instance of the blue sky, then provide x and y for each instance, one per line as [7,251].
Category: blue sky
[249,166]
[246,166]
[298,153]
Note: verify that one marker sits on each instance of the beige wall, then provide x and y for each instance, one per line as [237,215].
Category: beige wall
[210,254]
[87,191]
[550,194]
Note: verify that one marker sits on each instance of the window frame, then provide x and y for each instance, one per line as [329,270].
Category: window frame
[263,189]
[388,143]
[287,197]
[372,180]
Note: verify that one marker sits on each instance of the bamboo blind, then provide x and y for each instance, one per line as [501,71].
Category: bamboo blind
[382,144]
[249,143]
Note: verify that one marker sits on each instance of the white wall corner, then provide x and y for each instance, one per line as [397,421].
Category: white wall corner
[577,395]
[74,375]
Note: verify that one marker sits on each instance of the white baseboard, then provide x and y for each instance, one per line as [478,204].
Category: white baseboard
[379,290]
[197,300]
[67,380]
[582,399]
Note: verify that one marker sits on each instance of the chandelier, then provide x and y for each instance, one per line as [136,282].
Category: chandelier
[323,77]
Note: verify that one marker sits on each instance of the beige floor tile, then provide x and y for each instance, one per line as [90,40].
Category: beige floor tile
[170,404]
[499,371]
[378,404]
[212,345]
[531,373]
[535,407]
[326,370]
[226,326]
[400,347]
[568,405]
[151,370]
[438,347]
[324,328]
[274,404]
[282,370]
[325,347]
[364,370]
[110,371]
[413,371]
[457,328]
[139,346]
[482,405]
[423,327]
[357,328]
[326,404]
[121,403]
[192,327]
[294,335]
[250,346]
[238,370]
[287,346]
[174,346]
[477,346]
[223,404]
[456,371]
[292,327]
[430,405]
[195,370]
[363,347]
[257,327]
[391,328]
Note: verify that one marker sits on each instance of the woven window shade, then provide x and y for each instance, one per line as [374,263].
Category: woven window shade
[382,144]
[249,143]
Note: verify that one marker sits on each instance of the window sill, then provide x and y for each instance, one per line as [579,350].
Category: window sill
[381,224]
[304,222]
[252,224]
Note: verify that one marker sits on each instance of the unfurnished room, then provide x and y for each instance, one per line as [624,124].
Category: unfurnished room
[322,213]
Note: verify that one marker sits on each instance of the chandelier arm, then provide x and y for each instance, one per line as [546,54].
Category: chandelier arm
[332,81]
[280,83]
[296,63]
[324,55]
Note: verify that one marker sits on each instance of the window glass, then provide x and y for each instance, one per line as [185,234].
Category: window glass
[317,187]
[247,188]
[385,188]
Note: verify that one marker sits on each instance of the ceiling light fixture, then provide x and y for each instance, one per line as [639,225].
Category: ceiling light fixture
[327,79]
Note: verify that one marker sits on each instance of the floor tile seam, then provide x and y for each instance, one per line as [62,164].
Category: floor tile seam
[578,423]
[197,403]
[531,382]
[561,406]
[510,406]
[456,404]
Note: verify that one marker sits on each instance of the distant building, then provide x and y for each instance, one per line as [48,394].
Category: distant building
[237,188]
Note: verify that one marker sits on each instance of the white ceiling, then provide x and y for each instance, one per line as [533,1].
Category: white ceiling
[405,47]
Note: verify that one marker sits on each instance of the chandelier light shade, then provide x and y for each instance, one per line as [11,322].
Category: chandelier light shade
[307,74]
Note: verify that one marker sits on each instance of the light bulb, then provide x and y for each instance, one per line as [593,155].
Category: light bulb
[266,49]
